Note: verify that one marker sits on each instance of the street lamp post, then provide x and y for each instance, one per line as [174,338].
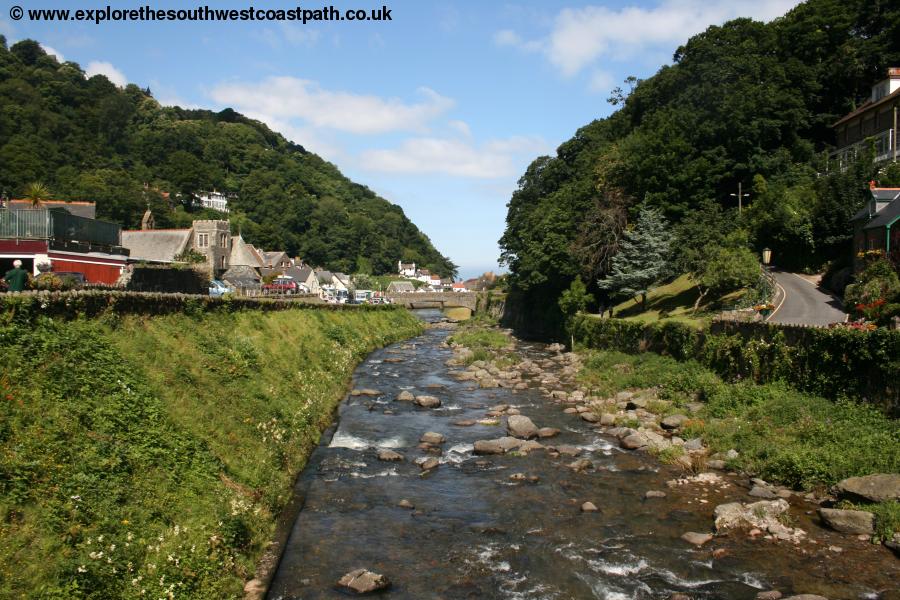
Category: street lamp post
[740,197]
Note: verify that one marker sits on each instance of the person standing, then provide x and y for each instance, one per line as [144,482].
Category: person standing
[16,277]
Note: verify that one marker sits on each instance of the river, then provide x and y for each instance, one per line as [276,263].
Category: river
[477,532]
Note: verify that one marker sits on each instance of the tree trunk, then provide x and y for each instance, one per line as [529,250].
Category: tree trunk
[699,298]
[644,301]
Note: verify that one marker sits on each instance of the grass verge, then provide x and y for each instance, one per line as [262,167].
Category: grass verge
[149,457]
[783,435]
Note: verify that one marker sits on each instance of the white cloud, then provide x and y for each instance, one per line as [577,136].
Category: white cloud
[99,67]
[289,97]
[601,82]
[53,52]
[509,38]
[460,158]
[460,127]
[581,36]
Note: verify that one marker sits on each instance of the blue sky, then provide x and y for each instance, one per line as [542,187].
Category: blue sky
[438,110]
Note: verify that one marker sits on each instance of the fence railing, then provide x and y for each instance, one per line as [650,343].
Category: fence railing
[884,144]
[46,224]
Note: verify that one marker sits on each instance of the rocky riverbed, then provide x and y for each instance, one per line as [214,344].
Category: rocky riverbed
[448,478]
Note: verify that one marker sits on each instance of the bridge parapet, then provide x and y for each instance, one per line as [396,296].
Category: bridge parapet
[435,299]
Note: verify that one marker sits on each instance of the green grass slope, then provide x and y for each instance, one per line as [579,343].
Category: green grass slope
[149,457]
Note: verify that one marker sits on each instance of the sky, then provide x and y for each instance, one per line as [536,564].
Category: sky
[439,109]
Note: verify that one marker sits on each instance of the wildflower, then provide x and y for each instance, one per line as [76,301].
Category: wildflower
[82,569]
[124,521]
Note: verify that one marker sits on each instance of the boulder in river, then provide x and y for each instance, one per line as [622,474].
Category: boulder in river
[363,581]
[567,450]
[389,455]
[521,426]
[426,464]
[405,396]
[582,464]
[589,507]
[488,447]
[432,437]
[428,401]
[848,521]
[806,597]
[365,392]
[769,595]
[547,432]
[590,417]
[763,514]
[406,504]
[697,539]
[874,488]
[654,494]
[633,441]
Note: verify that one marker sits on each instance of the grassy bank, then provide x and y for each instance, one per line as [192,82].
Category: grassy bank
[782,435]
[798,439]
[147,457]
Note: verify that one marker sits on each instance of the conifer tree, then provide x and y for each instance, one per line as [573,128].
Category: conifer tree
[643,257]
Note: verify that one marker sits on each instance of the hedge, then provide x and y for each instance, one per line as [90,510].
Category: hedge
[835,363]
[25,306]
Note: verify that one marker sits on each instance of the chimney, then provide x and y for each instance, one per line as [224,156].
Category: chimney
[888,86]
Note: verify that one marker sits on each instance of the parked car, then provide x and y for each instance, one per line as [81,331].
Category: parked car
[219,288]
[283,284]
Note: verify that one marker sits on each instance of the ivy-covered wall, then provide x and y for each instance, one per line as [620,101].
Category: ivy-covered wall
[835,363]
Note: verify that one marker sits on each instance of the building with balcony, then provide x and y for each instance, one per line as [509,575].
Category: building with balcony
[214,200]
[874,122]
[57,234]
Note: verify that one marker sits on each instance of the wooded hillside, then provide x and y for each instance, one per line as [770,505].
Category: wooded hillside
[87,139]
[744,102]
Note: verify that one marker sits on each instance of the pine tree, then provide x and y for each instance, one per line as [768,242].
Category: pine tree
[643,257]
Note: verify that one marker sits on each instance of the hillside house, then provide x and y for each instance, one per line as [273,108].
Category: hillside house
[406,269]
[875,121]
[877,225]
[214,200]
[63,235]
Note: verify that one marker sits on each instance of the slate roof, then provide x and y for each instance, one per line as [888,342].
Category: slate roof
[241,276]
[886,216]
[400,286]
[79,209]
[868,105]
[303,273]
[324,276]
[156,245]
[271,259]
[243,254]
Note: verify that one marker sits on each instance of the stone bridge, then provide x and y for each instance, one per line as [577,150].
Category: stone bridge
[435,299]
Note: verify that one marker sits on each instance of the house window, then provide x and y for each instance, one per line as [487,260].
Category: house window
[203,240]
[223,241]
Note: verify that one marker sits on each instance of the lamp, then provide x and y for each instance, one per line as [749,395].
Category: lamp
[766,256]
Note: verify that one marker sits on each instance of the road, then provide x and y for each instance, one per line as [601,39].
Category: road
[803,303]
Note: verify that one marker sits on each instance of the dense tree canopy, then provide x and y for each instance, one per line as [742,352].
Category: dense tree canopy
[744,102]
[86,139]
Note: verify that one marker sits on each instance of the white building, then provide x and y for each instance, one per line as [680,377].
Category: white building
[214,200]
[406,269]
